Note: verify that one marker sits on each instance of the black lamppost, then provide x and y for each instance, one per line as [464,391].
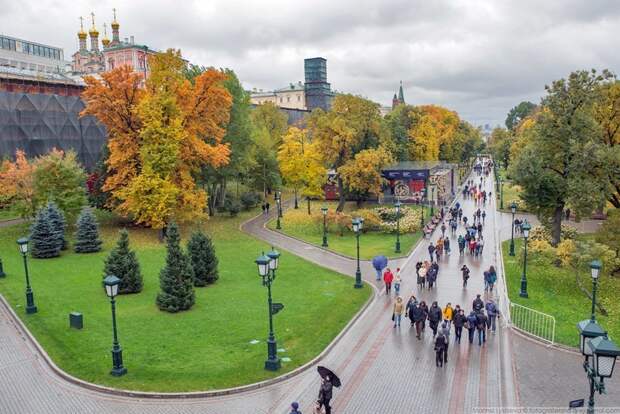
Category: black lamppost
[422,196]
[296,204]
[278,211]
[358,223]
[513,210]
[111,289]
[526,232]
[23,248]
[432,201]
[599,351]
[267,266]
[324,211]
[2,274]
[501,194]
[397,205]
[279,194]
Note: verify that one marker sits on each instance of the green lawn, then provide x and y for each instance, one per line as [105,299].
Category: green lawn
[554,291]
[371,244]
[8,214]
[205,348]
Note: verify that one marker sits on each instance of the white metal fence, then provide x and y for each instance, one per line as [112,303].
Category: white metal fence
[533,322]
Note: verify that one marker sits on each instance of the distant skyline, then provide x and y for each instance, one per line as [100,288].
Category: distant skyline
[477,57]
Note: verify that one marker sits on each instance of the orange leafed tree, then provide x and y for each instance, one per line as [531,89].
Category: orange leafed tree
[17,184]
[161,138]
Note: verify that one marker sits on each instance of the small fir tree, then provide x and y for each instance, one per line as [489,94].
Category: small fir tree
[123,263]
[44,241]
[202,256]
[87,234]
[58,223]
[176,279]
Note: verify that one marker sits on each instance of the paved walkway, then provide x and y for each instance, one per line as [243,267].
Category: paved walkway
[384,369]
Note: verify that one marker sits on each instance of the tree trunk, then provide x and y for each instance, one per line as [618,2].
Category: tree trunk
[341,196]
[556,227]
[308,198]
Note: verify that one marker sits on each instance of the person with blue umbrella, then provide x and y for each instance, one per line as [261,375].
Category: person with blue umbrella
[379,263]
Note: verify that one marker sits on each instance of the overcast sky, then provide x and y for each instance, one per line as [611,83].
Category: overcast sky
[479,58]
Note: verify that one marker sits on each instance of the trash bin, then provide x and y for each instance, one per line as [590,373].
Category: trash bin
[76,320]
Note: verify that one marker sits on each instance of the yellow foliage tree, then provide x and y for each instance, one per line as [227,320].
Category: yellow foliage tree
[169,131]
[424,143]
[362,174]
[17,184]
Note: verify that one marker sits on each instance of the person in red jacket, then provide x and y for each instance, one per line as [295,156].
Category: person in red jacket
[388,277]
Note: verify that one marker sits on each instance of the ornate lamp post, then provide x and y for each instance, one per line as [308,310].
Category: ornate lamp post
[432,201]
[423,191]
[324,211]
[513,210]
[278,211]
[526,232]
[358,223]
[501,194]
[111,289]
[279,201]
[267,266]
[397,205]
[23,248]
[599,351]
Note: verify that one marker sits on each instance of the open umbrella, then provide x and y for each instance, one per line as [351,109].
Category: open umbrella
[379,262]
[325,372]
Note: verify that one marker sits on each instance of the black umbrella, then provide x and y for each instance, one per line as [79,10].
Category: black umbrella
[326,372]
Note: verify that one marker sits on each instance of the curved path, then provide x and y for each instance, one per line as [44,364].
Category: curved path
[384,369]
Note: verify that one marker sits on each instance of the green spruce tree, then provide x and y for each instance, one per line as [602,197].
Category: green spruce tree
[58,223]
[202,256]
[176,279]
[123,263]
[87,234]
[44,241]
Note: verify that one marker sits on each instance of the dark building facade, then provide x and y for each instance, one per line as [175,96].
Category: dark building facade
[38,115]
[317,90]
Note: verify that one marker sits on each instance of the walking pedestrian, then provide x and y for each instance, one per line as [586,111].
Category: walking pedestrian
[399,307]
[388,277]
[440,349]
[459,322]
[484,216]
[446,245]
[416,315]
[397,282]
[481,327]
[424,309]
[461,241]
[295,408]
[492,278]
[434,317]
[443,228]
[445,332]
[448,313]
[492,313]
[439,248]
[431,276]
[477,304]
[267,206]
[470,325]
[431,250]
[410,303]
[422,277]
[379,263]
[264,208]
[465,271]
[325,395]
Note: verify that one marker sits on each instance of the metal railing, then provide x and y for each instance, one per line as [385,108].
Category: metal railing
[533,322]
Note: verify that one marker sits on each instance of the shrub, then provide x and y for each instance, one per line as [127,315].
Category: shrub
[232,206]
[544,233]
[202,256]
[87,234]
[565,251]
[372,221]
[250,200]
[123,263]
[43,238]
[176,279]
[410,219]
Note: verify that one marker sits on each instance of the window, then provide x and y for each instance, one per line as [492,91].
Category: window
[5,43]
[11,44]
[298,98]
[288,99]
[280,99]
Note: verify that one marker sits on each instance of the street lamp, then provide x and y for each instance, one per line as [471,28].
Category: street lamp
[432,201]
[599,351]
[513,210]
[422,195]
[501,194]
[358,223]
[267,266]
[278,211]
[2,274]
[279,195]
[23,248]
[526,232]
[324,211]
[397,205]
[111,289]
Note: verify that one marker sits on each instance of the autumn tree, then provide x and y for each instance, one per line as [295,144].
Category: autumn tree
[17,186]
[362,174]
[499,143]
[160,137]
[518,114]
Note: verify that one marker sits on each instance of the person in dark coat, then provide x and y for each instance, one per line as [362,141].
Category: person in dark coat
[492,313]
[459,322]
[443,229]
[295,408]
[267,207]
[424,308]
[481,327]
[471,325]
[325,395]
[412,301]
[465,271]
[416,314]
[440,350]
[446,245]
[484,216]
[477,304]
[434,317]
[431,251]
[431,276]
[445,331]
